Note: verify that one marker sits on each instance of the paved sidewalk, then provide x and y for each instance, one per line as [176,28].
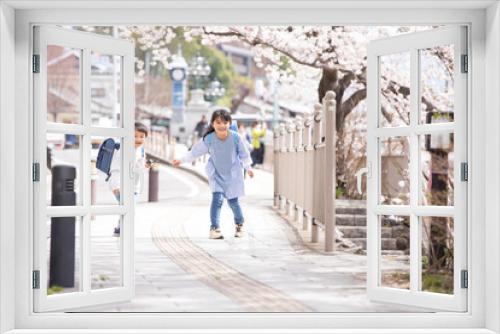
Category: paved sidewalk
[277,254]
[178,269]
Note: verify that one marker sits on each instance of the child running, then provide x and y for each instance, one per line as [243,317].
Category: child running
[140,167]
[228,157]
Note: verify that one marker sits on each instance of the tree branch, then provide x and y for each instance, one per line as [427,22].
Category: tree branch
[353,100]
[258,41]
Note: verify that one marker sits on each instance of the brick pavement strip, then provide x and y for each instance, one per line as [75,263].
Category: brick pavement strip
[252,295]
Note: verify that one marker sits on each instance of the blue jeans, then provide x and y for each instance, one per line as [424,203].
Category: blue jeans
[217,200]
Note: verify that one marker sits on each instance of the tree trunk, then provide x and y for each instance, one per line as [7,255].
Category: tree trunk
[239,98]
[438,196]
[330,81]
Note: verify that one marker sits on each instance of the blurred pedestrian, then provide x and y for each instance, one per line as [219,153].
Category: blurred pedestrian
[258,131]
[201,127]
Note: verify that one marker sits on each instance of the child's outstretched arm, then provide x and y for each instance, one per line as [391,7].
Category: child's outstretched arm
[198,149]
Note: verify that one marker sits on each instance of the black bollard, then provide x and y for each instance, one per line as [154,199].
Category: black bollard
[153,183]
[62,232]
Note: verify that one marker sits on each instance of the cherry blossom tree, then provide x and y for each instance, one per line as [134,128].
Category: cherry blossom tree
[310,60]
[307,61]
[151,42]
[322,58]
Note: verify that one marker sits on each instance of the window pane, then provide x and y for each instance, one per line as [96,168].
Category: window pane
[63,255]
[437,84]
[437,171]
[63,85]
[394,108]
[64,157]
[394,241]
[437,254]
[105,90]
[395,173]
[106,258]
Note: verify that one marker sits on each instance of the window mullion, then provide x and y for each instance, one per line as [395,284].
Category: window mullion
[415,254]
[86,172]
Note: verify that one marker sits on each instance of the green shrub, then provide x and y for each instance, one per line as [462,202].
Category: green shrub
[440,283]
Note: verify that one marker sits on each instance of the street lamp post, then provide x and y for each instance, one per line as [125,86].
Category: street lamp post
[214,91]
[199,70]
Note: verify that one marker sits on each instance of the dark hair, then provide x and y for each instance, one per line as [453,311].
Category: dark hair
[218,113]
[141,128]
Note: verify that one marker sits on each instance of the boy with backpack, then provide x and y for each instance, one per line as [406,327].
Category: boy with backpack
[109,164]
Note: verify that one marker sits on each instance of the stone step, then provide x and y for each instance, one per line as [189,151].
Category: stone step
[387,243]
[350,210]
[394,252]
[352,232]
[350,220]
[397,253]
[353,207]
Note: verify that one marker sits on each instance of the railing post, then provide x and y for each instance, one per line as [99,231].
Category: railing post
[276,157]
[318,115]
[330,171]
[289,175]
[307,172]
[153,142]
[163,145]
[282,175]
[299,166]
[167,147]
[172,149]
[157,146]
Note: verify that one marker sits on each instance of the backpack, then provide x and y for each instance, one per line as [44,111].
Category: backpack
[105,156]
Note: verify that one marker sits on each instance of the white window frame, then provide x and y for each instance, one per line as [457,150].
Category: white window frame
[483,208]
[412,44]
[85,43]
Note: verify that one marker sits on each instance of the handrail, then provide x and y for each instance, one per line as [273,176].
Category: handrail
[304,170]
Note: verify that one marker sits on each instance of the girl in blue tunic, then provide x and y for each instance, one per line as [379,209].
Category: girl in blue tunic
[228,157]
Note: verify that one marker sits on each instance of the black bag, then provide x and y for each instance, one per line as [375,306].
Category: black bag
[105,156]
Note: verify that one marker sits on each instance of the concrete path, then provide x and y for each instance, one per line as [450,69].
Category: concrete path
[178,269]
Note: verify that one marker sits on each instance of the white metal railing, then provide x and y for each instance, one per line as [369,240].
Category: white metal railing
[160,145]
[304,170]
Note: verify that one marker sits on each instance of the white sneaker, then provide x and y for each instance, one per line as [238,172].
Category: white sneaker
[240,231]
[216,234]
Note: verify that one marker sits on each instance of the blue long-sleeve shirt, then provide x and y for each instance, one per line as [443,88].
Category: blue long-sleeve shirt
[225,165]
